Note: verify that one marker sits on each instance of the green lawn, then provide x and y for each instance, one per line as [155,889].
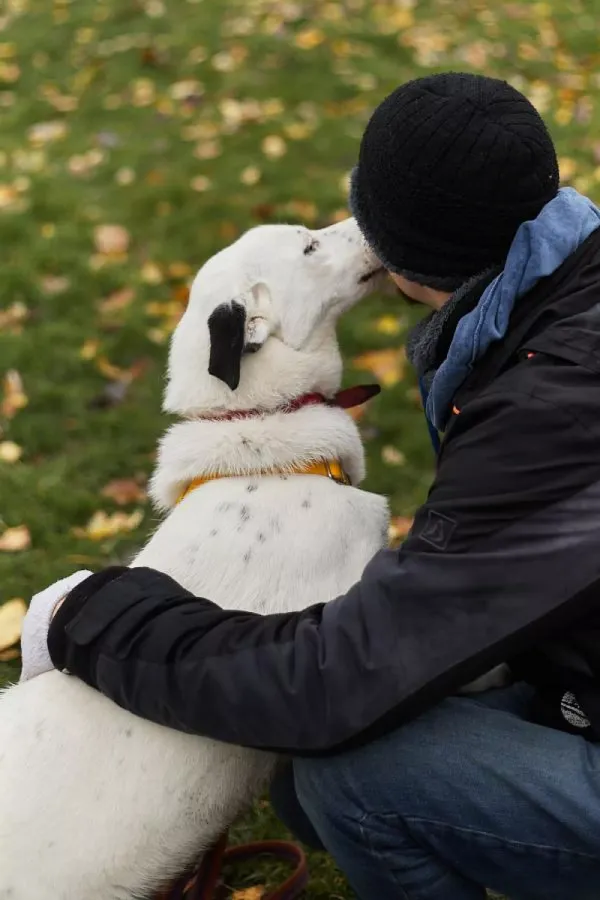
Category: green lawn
[184,123]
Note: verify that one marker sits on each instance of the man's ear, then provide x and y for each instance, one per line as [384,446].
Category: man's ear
[235,328]
[226,327]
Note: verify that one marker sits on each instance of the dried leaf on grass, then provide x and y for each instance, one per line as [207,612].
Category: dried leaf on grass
[102,525]
[124,491]
[15,539]
[386,365]
[12,614]
[14,397]
[10,452]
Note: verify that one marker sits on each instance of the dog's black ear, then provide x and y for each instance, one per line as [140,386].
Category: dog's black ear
[226,328]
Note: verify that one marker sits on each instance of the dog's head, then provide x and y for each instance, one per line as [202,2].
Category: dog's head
[260,324]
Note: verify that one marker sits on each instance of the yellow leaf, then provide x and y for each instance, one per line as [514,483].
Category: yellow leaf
[46,132]
[111,239]
[274,146]
[12,318]
[9,655]
[386,365]
[12,614]
[308,38]
[89,349]
[14,539]
[102,525]
[388,325]
[14,397]
[150,273]
[10,452]
[568,167]
[252,893]
[250,176]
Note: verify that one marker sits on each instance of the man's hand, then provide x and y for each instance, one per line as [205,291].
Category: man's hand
[34,646]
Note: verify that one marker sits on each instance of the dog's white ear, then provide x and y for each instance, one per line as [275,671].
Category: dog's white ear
[235,328]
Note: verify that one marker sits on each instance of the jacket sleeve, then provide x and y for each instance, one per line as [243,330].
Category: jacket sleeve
[502,553]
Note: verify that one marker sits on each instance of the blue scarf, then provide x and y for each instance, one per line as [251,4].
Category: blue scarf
[538,249]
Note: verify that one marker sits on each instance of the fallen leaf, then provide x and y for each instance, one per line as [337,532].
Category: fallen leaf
[250,175]
[55,284]
[10,452]
[116,302]
[118,373]
[14,397]
[388,325]
[308,38]
[398,529]
[103,525]
[46,132]
[12,318]
[386,365]
[89,349]
[12,614]
[9,655]
[111,240]
[274,146]
[124,491]
[15,539]
[200,183]
[251,893]
[150,273]
[392,456]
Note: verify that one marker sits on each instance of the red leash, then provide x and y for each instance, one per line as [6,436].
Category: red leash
[204,885]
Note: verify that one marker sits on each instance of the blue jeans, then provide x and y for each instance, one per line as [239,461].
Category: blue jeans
[470,795]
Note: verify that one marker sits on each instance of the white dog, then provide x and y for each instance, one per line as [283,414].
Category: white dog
[97,804]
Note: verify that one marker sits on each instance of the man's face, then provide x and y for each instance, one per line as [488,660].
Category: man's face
[419,293]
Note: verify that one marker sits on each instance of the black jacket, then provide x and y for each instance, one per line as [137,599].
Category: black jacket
[502,563]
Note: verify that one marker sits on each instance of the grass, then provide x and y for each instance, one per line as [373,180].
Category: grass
[184,123]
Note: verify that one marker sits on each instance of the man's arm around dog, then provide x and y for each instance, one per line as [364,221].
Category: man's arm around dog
[503,553]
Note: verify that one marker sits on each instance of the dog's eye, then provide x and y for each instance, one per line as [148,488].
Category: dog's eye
[310,248]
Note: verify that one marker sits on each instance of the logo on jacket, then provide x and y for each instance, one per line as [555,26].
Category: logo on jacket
[572,712]
[437,530]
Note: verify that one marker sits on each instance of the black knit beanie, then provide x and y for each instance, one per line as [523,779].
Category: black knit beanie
[449,167]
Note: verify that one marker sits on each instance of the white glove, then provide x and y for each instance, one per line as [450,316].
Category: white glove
[34,636]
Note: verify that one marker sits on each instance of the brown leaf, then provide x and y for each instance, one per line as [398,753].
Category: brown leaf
[124,491]
[14,539]
[9,655]
[117,373]
[12,614]
[111,240]
[117,301]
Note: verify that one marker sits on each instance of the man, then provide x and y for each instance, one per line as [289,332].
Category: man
[417,792]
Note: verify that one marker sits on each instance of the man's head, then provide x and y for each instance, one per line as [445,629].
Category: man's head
[449,166]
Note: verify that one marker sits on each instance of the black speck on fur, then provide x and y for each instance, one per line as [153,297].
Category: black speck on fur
[213,532]
[247,556]
[261,537]
[251,488]
[306,504]
[244,513]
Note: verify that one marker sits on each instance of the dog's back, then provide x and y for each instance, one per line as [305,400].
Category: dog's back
[82,780]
